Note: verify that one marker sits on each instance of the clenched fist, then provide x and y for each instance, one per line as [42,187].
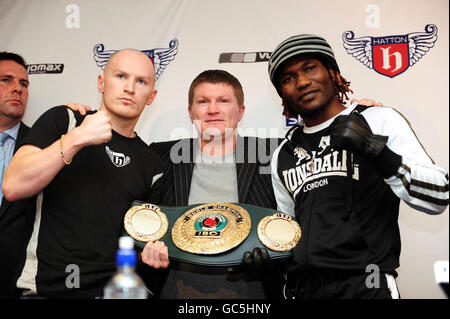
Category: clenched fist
[352,133]
[95,129]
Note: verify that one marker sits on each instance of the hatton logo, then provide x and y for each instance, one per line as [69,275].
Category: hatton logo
[118,159]
[390,55]
[160,57]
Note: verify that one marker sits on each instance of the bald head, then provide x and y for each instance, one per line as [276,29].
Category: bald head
[134,56]
[127,84]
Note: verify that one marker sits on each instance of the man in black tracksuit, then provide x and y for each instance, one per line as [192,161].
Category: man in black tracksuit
[342,174]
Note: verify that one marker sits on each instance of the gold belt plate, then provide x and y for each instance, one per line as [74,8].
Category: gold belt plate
[211,228]
[279,232]
[146,222]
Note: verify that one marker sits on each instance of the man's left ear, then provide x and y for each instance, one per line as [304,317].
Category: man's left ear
[100,83]
[241,111]
[152,97]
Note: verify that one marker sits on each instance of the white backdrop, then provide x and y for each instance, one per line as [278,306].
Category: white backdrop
[65,32]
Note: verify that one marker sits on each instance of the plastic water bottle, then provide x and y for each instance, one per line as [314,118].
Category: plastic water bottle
[125,284]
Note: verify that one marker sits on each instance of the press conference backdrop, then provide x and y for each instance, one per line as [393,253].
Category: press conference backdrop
[66,43]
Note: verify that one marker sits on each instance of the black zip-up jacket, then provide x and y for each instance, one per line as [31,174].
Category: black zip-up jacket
[347,210]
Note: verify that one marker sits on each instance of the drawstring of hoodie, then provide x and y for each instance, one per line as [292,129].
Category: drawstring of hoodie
[309,280]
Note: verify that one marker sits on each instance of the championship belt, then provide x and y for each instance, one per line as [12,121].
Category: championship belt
[213,234]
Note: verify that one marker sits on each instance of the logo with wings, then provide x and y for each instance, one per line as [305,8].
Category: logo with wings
[390,55]
[160,57]
[118,159]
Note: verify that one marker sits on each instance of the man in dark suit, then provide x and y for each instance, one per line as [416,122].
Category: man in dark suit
[253,183]
[220,165]
[16,219]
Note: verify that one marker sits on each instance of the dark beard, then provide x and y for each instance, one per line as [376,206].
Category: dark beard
[313,113]
[308,114]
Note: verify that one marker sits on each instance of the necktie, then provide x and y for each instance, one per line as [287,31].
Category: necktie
[3,137]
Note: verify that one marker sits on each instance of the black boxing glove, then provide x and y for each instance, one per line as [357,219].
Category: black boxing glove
[256,261]
[352,133]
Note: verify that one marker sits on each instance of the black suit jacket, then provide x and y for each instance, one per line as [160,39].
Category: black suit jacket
[254,187]
[252,166]
[16,225]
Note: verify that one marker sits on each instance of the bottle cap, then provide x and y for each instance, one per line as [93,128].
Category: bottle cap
[126,256]
[126,242]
